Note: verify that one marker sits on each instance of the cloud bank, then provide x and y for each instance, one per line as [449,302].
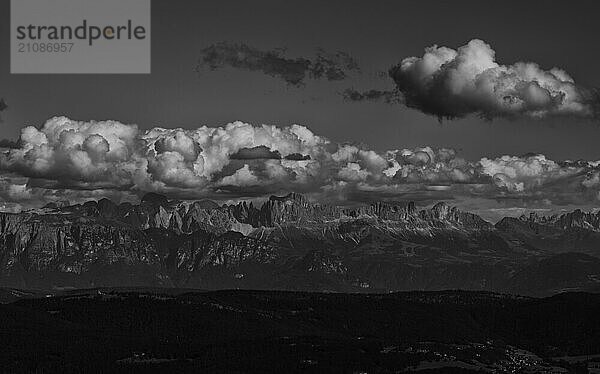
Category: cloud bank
[294,71]
[450,83]
[75,161]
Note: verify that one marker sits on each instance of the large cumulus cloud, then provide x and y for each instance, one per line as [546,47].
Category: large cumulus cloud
[530,172]
[450,83]
[111,154]
[74,160]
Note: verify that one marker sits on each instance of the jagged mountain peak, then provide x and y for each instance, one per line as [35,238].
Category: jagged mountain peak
[291,197]
[57,204]
[441,210]
[206,204]
[383,245]
[107,208]
[156,210]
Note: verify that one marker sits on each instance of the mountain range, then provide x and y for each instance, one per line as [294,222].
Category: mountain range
[290,243]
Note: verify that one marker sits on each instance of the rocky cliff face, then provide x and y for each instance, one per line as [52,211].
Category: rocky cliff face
[39,246]
[157,211]
[386,211]
[287,243]
[441,212]
[291,209]
[297,210]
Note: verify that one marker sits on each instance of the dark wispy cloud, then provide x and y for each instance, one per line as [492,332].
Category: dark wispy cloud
[294,71]
[297,157]
[7,143]
[74,160]
[332,66]
[388,97]
[592,96]
[256,153]
[3,107]
[450,83]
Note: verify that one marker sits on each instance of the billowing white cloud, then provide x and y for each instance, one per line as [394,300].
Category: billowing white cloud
[242,177]
[452,83]
[426,165]
[110,153]
[525,173]
[73,160]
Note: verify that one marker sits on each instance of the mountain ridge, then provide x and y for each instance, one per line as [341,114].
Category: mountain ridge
[291,243]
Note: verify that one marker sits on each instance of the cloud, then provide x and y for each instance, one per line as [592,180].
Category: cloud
[3,107]
[17,193]
[450,83]
[519,174]
[388,97]
[294,71]
[241,178]
[8,143]
[93,155]
[256,153]
[434,167]
[332,66]
[297,157]
[76,160]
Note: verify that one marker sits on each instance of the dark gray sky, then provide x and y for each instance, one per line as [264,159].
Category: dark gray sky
[377,33]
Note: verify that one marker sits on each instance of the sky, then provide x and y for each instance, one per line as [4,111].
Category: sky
[189,87]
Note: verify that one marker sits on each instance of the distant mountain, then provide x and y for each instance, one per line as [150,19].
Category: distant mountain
[293,244]
[570,232]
